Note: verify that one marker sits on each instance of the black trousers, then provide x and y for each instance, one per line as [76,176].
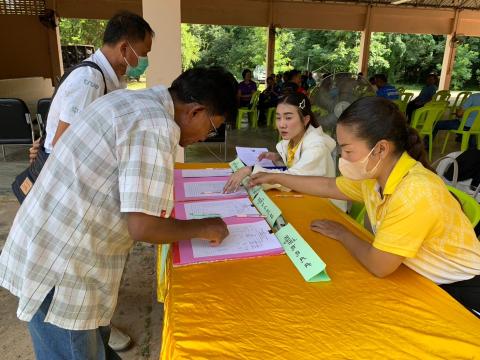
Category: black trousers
[466,292]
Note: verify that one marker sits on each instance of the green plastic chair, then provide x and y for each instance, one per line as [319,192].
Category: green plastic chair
[403,101]
[271,117]
[442,103]
[357,212]
[474,130]
[470,206]
[251,112]
[459,100]
[424,120]
[442,95]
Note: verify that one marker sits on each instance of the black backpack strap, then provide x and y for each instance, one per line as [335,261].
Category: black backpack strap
[66,74]
[79,65]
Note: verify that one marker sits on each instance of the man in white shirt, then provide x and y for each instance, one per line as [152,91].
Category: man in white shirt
[66,251]
[126,42]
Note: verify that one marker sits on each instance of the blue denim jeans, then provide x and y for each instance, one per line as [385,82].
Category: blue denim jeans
[51,342]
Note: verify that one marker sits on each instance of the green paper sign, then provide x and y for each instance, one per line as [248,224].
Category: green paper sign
[236,164]
[302,255]
[267,207]
[253,192]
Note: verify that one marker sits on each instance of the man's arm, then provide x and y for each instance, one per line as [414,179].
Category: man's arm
[156,230]
[61,128]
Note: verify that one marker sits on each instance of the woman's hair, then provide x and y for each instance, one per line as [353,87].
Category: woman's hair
[303,105]
[374,118]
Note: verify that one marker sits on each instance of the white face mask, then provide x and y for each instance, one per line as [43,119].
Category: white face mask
[357,170]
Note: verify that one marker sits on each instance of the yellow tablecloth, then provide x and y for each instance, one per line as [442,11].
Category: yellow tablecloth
[263,309]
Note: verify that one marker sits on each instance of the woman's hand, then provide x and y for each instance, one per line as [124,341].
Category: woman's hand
[236,178]
[263,178]
[272,156]
[329,228]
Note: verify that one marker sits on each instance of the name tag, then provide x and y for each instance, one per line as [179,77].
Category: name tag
[267,207]
[307,262]
[236,164]
[252,192]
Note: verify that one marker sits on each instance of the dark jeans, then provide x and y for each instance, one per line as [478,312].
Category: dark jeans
[51,342]
[466,292]
[411,107]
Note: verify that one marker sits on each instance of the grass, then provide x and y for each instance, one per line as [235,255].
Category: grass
[136,85]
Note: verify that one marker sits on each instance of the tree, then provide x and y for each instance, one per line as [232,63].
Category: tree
[82,32]
[190,48]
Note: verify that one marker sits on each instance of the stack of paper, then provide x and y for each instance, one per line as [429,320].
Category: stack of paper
[249,156]
[247,238]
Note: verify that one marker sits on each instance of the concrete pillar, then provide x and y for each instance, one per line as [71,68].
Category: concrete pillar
[165,59]
[365,44]
[449,56]
[270,49]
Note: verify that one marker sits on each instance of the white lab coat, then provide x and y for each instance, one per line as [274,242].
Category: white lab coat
[313,158]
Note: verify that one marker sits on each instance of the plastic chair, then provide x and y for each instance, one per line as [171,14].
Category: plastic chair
[442,95]
[403,101]
[357,212]
[424,120]
[251,112]
[271,117]
[470,206]
[15,123]
[474,130]
[43,105]
[442,164]
[459,100]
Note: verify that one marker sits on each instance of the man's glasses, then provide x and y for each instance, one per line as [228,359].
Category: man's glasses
[213,132]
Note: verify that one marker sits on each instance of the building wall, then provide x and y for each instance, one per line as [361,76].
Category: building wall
[25,47]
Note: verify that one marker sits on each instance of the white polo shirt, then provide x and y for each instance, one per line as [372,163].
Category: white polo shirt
[81,87]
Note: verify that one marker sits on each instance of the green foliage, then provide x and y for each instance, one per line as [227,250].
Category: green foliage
[82,32]
[190,47]
[404,58]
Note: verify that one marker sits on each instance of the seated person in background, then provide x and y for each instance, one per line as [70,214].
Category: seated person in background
[304,149]
[246,88]
[385,90]
[278,83]
[310,80]
[268,98]
[293,83]
[425,95]
[473,100]
[373,83]
[416,221]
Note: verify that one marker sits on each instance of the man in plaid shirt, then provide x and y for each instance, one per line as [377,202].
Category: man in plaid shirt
[107,183]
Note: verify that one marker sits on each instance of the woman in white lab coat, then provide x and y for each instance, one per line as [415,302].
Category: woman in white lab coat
[304,149]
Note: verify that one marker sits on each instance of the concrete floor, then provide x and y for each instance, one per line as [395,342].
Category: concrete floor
[138,312]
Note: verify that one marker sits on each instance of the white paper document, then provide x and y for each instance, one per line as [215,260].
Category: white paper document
[243,238]
[206,173]
[249,156]
[220,208]
[209,189]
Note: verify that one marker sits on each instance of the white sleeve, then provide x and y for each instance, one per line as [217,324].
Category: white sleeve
[83,86]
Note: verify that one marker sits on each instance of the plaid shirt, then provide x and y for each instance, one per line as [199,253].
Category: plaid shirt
[71,232]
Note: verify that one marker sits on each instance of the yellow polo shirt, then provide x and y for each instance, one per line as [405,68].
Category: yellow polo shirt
[419,219]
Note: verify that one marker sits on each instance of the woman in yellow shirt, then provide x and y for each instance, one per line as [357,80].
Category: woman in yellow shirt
[415,219]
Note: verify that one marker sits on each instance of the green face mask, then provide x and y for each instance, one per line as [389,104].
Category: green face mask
[138,70]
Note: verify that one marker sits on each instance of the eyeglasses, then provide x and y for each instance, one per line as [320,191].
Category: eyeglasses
[213,132]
